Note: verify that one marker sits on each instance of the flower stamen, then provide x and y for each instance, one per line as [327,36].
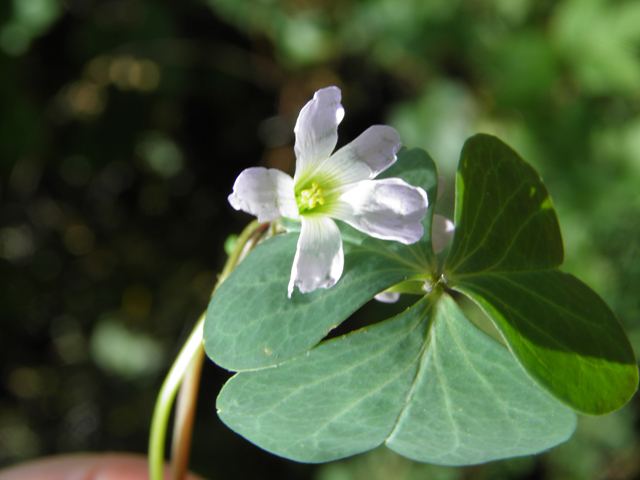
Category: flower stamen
[310,197]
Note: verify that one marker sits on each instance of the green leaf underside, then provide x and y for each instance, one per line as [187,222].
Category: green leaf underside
[563,334]
[252,324]
[504,217]
[427,383]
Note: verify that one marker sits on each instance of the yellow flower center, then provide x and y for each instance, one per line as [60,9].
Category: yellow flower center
[311,197]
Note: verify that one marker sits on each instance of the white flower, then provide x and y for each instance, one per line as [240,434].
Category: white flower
[327,186]
[441,232]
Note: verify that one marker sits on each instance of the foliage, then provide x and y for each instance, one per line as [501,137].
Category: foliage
[125,122]
[426,383]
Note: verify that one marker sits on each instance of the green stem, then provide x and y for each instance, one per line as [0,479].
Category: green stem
[165,400]
[157,436]
[184,416]
[416,287]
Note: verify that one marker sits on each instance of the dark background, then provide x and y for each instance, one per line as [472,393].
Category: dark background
[123,124]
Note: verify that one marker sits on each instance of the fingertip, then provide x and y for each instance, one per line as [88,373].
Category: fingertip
[88,466]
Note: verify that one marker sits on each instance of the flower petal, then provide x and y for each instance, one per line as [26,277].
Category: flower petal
[441,232]
[371,153]
[319,258]
[317,130]
[389,209]
[265,193]
[388,297]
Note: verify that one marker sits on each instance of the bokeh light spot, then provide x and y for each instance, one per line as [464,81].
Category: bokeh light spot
[14,39]
[160,153]
[16,243]
[119,351]
[137,301]
[86,99]
[79,239]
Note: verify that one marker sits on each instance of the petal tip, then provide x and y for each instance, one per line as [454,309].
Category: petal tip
[331,90]
[319,258]
[233,201]
[442,230]
[387,297]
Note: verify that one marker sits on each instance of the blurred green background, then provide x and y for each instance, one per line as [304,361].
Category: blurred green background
[123,124]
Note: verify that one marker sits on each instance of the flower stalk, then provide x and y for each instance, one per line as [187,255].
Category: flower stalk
[185,415]
[189,359]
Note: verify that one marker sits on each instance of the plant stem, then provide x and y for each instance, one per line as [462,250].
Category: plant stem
[189,357]
[165,400]
[184,416]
